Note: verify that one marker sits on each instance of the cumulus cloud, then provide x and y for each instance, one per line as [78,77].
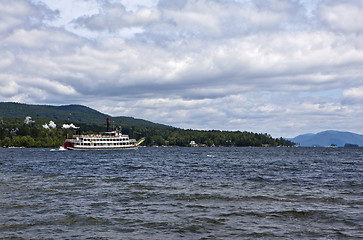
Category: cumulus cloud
[114,17]
[23,88]
[38,39]
[206,64]
[194,18]
[353,95]
[208,18]
[345,16]
[22,14]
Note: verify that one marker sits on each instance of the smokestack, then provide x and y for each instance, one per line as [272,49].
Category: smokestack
[108,124]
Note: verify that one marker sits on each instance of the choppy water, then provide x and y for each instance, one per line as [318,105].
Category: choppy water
[182,193]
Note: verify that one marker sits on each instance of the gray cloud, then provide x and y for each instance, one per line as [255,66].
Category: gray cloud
[263,66]
[22,14]
[343,16]
[114,17]
[201,18]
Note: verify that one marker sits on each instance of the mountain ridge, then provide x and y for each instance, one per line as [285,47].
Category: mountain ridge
[73,113]
[328,138]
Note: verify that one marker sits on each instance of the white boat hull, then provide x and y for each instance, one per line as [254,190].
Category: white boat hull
[103,148]
[107,141]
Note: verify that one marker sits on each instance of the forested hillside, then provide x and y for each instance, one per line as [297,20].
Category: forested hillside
[71,113]
[24,125]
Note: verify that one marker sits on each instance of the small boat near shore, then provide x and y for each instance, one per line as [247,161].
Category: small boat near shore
[110,140]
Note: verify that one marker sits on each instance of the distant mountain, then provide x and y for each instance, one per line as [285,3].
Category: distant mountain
[327,138]
[71,113]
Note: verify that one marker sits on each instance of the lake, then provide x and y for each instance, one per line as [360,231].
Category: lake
[182,193]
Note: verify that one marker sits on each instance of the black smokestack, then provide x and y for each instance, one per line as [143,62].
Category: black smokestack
[108,124]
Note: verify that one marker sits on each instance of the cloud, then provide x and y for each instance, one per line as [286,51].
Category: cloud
[353,95]
[114,17]
[25,88]
[22,14]
[264,66]
[38,39]
[344,16]
[206,18]
[9,88]
[194,18]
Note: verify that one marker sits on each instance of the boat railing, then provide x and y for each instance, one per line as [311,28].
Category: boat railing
[99,135]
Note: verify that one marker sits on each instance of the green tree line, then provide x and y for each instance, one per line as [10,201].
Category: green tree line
[205,138]
[14,132]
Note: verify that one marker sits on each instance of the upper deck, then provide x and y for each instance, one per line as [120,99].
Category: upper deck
[102,137]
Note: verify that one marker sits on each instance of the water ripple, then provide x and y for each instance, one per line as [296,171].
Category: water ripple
[174,193]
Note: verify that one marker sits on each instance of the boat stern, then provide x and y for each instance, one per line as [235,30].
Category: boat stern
[66,146]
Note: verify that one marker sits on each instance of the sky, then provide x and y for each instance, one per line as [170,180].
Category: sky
[282,67]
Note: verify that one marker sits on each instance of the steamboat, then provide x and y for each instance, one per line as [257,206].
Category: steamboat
[110,140]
